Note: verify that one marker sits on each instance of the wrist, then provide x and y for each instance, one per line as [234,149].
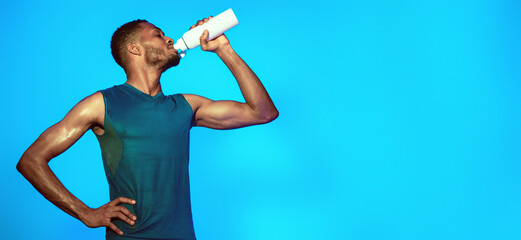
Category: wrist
[83,214]
[224,50]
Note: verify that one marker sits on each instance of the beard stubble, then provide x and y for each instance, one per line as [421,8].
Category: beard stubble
[158,58]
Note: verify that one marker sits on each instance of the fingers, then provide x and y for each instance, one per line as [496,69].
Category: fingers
[121,200]
[115,208]
[123,217]
[201,22]
[114,228]
[103,215]
[204,40]
[121,213]
[125,211]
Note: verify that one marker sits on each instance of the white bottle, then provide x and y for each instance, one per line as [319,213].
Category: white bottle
[215,26]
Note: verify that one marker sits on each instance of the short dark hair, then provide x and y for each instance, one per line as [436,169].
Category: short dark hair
[123,36]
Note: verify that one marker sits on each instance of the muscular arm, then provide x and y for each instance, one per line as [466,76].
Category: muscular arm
[33,165]
[257,109]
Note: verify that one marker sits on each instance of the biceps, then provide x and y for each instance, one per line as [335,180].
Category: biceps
[63,134]
[56,139]
[225,115]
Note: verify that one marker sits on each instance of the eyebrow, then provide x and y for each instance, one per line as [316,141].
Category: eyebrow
[159,29]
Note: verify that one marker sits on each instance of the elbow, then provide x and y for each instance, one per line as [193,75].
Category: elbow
[270,116]
[25,164]
[21,166]
[274,115]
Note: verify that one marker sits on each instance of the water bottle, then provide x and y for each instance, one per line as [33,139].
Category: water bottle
[215,26]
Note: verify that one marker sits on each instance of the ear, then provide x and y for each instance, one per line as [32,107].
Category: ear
[134,49]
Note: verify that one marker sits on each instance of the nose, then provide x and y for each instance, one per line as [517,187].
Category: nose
[169,40]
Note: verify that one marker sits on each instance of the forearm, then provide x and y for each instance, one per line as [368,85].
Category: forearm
[251,87]
[38,173]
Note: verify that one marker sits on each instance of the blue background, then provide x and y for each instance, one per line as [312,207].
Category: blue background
[398,119]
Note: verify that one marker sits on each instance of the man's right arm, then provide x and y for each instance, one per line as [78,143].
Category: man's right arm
[33,165]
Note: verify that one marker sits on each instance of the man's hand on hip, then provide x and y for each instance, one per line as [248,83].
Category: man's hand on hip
[103,215]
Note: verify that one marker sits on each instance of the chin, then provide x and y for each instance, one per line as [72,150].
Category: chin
[172,62]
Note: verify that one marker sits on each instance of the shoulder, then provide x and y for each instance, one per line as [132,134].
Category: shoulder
[94,100]
[196,101]
[90,109]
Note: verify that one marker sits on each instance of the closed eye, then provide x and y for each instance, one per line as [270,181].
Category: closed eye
[159,32]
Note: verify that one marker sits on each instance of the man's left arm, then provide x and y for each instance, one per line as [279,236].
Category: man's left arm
[257,109]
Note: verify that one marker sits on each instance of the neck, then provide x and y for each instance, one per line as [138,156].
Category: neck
[146,80]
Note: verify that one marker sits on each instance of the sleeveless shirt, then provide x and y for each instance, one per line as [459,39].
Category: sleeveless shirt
[145,148]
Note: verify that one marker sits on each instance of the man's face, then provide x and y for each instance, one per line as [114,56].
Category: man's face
[159,49]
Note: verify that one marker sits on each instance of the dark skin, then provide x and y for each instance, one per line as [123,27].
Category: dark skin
[89,113]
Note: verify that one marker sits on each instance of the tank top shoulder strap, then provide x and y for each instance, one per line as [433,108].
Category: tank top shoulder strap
[183,103]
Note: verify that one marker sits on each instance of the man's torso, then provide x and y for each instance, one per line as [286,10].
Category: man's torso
[145,148]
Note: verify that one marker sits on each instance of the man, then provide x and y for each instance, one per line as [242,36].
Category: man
[144,137]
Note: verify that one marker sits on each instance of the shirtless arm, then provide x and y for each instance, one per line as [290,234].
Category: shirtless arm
[33,165]
[257,109]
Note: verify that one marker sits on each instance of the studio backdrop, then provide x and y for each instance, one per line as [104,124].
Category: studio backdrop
[398,119]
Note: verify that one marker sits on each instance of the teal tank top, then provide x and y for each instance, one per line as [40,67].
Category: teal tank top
[145,149]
